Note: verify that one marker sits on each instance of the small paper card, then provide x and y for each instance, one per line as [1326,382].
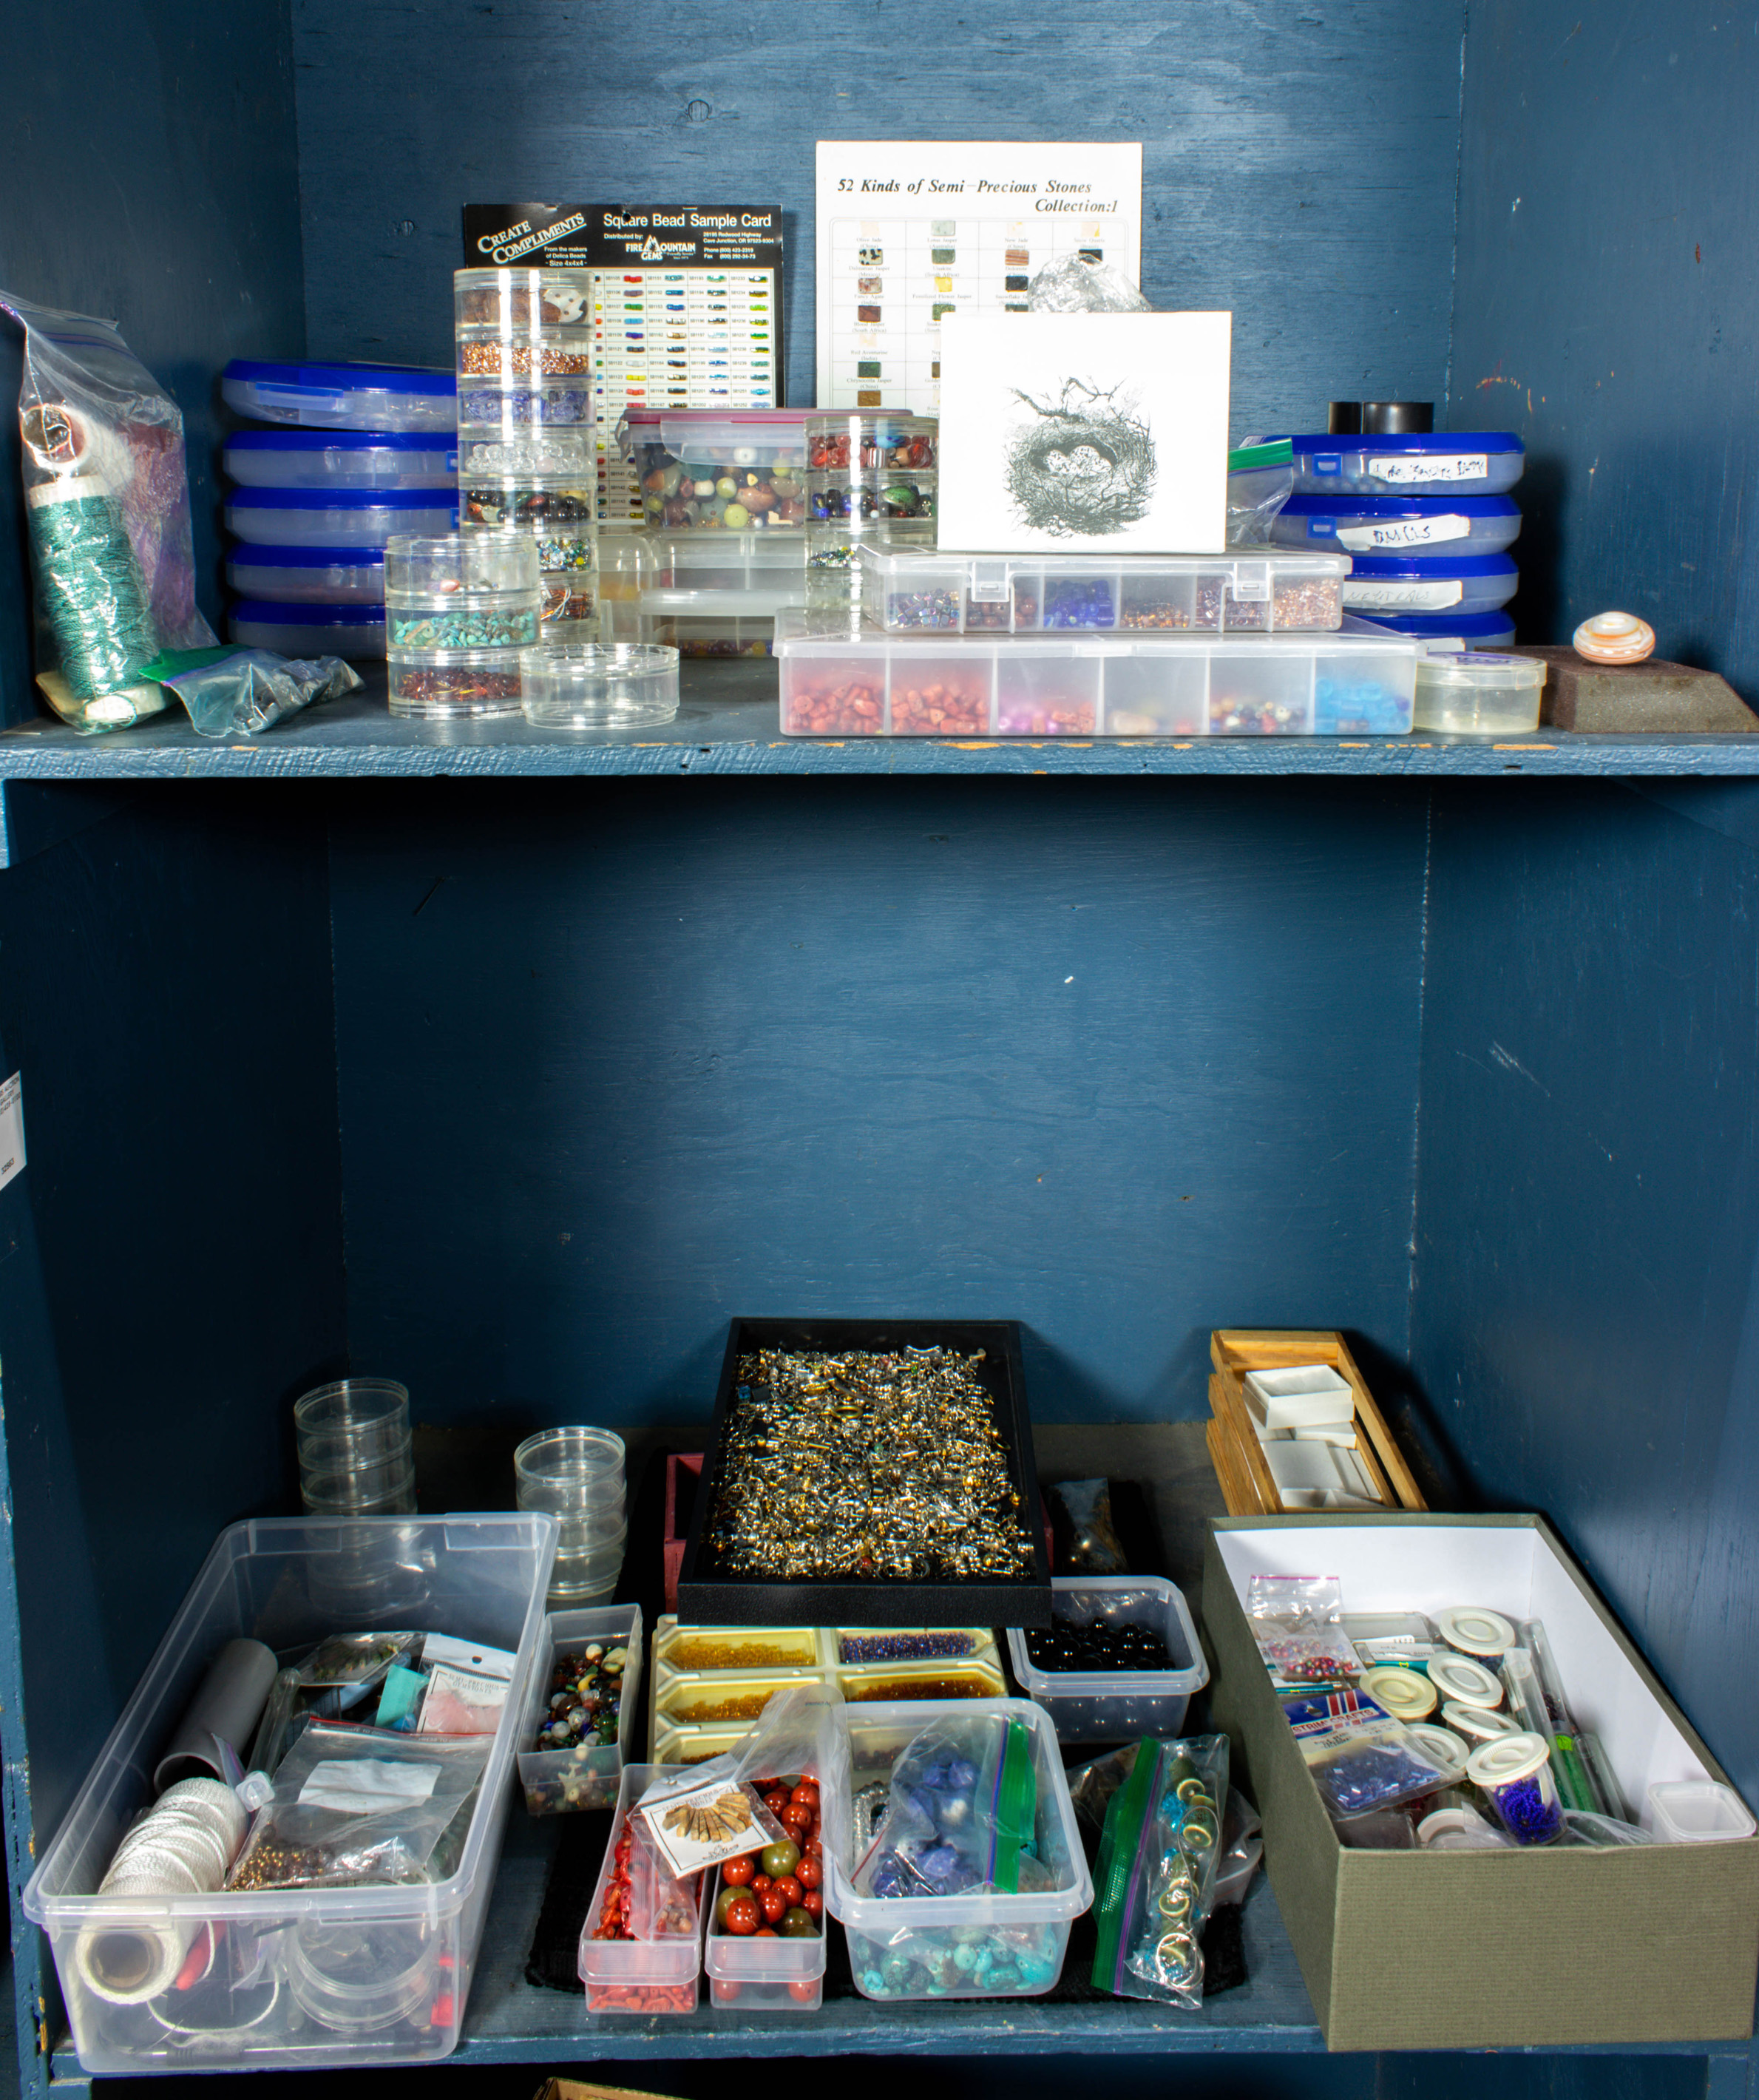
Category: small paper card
[698,1822]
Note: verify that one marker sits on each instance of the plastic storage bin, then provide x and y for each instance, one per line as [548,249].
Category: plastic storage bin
[352,1975]
[308,575]
[1444,463]
[342,397]
[1478,693]
[342,459]
[353,631]
[1398,582]
[656,1973]
[870,683]
[1113,1705]
[911,592]
[731,470]
[556,1781]
[1447,632]
[589,685]
[754,1975]
[898,1945]
[1382,524]
[1697,1811]
[316,518]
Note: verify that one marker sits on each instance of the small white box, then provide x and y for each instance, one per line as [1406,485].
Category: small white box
[1301,1396]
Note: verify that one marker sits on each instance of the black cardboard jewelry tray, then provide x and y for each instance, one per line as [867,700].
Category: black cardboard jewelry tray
[707,1597]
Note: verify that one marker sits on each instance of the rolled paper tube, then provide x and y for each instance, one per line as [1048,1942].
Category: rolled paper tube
[228,1704]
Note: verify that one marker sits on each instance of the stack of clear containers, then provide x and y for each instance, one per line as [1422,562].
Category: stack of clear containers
[576,1474]
[356,1455]
[458,613]
[871,483]
[526,462]
[357,452]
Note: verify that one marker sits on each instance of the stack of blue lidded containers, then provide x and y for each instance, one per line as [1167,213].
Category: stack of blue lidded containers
[355,453]
[1426,517]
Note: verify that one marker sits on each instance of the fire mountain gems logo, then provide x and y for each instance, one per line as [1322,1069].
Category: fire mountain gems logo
[1083,465]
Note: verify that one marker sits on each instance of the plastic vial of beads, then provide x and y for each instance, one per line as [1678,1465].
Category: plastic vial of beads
[1515,1775]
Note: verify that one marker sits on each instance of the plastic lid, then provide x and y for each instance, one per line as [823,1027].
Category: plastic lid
[261,614]
[345,441]
[1440,1819]
[1478,1724]
[1458,1677]
[1404,568]
[1438,441]
[243,555]
[1456,668]
[339,499]
[1343,419]
[1406,1694]
[1441,1745]
[1511,1756]
[1460,626]
[696,419]
[1473,1628]
[1347,504]
[375,378]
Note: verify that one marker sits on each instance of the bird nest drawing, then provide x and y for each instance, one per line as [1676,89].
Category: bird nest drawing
[1085,465]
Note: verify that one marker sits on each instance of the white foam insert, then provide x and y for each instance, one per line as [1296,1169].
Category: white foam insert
[1420,1568]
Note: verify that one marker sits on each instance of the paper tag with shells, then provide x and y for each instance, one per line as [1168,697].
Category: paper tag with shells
[704,1821]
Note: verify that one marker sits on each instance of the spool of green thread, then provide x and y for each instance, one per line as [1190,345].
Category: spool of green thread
[94,625]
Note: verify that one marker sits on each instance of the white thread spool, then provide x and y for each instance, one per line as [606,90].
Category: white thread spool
[183,1847]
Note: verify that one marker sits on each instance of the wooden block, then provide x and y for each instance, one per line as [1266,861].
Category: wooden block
[1621,699]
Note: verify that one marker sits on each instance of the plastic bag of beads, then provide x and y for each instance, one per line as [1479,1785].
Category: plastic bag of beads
[710,1813]
[1297,1622]
[1070,285]
[1094,1546]
[1261,479]
[1243,1848]
[107,501]
[242,692]
[1359,1757]
[1154,1880]
[963,1813]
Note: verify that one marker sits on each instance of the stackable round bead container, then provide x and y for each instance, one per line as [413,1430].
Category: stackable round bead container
[356,632]
[526,461]
[459,611]
[587,685]
[872,482]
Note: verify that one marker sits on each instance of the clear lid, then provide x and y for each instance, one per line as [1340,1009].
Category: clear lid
[338,499]
[1442,626]
[705,422]
[1471,1627]
[1511,1756]
[327,378]
[1406,568]
[1458,1677]
[1469,670]
[1477,1724]
[1431,441]
[469,563]
[314,440]
[519,277]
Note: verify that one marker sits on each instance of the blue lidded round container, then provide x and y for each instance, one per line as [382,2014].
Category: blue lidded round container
[1348,524]
[1441,463]
[338,517]
[308,630]
[1446,633]
[1398,583]
[308,575]
[341,459]
[342,397]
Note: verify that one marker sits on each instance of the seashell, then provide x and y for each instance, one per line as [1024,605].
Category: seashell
[1614,637]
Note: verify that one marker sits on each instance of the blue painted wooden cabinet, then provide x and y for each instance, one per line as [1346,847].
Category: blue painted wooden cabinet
[517,1067]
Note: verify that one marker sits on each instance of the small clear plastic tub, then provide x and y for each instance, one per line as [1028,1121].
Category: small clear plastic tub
[361,1975]
[655,1972]
[550,353]
[1384,524]
[386,1491]
[586,684]
[1114,1705]
[544,454]
[1698,1811]
[728,469]
[456,686]
[557,1782]
[902,495]
[1459,584]
[1440,463]
[317,518]
[368,1418]
[489,405]
[521,298]
[341,459]
[342,397]
[567,1468]
[511,502]
[308,575]
[746,1974]
[1513,1774]
[1478,693]
[879,439]
[356,632]
[460,567]
[1441,633]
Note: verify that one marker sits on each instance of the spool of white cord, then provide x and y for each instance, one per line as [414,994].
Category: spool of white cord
[183,1847]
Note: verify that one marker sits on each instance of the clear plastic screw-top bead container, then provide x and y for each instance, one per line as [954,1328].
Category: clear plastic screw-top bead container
[458,613]
[872,482]
[577,1475]
[609,686]
[356,1453]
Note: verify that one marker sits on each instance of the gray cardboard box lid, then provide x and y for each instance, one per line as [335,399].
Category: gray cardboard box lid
[1473,1950]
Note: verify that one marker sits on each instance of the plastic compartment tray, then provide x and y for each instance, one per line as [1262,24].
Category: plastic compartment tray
[1398,582]
[556,1781]
[353,631]
[755,1976]
[834,683]
[979,1647]
[744,467]
[1444,463]
[642,1977]
[889,1939]
[314,517]
[288,1581]
[341,459]
[724,1700]
[1384,524]
[518,296]
[342,397]
[938,1681]
[908,593]
[308,575]
[1113,1705]
[705,1592]
[1445,631]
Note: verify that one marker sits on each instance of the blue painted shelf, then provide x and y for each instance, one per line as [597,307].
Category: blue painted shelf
[727,724]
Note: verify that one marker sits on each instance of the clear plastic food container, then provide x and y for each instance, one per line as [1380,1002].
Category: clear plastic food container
[752,1975]
[589,1776]
[1112,1705]
[1478,693]
[1456,584]
[731,470]
[657,1971]
[308,575]
[1383,524]
[453,686]
[521,299]
[895,493]
[546,454]
[953,1945]
[909,591]
[300,1978]
[342,397]
[870,683]
[1445,633]
[881,438]
[1441,463]
[353,631]
[316,518]
[770,563]
[341,459]
[590,686]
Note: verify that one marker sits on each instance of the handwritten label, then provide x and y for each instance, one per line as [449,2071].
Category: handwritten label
[1404,532]
[12,1128]
[1430,467]
[1363,596]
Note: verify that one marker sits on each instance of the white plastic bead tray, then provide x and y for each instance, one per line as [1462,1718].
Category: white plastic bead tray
[910,592]
[868,683]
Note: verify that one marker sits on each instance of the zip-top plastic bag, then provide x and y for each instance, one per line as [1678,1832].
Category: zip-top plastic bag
[1154,1882]
[963,1813]
[1261,479]
[107,501]
[242,692]
[708,1812]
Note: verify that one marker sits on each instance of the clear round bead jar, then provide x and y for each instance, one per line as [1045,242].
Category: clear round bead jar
[882,438]
[625,685]
[1513,1774]
[467,592]
[454,685]
[520,300]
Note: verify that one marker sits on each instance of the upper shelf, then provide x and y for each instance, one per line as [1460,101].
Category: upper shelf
[728,724]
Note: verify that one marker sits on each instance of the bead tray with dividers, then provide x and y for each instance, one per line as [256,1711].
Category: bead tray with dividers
[585,1769]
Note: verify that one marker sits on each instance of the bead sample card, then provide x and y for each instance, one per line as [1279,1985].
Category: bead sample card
[911,231]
